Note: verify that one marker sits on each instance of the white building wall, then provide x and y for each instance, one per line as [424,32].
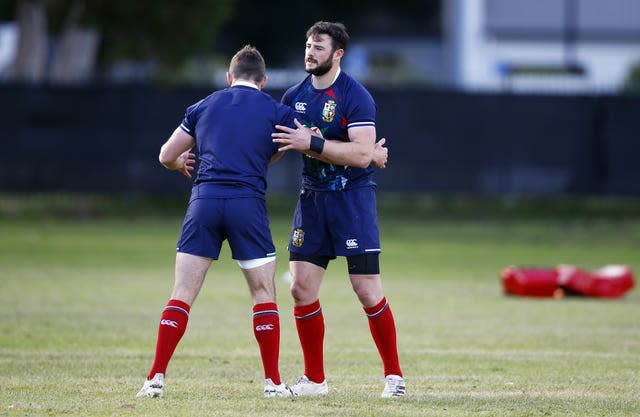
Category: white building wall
[478,60]
[8,44]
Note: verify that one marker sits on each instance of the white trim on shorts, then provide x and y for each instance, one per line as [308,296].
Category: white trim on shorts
[254,263]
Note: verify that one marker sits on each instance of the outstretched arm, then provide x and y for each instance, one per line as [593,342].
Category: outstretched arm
[358,152]
[175,153]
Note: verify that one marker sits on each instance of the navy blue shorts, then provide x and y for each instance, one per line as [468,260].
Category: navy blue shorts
[336,223]
[242,221]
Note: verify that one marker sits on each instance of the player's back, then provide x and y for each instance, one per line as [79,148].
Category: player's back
[232,128]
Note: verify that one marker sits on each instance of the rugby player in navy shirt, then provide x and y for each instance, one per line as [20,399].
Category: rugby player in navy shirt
[336,211]
[231,130]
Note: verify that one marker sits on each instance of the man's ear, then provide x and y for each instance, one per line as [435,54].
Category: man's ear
[262,84]
[229,78]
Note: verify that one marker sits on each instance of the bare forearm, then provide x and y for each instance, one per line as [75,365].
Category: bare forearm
[357,152]
[165,159]
[344,153]
[173,165]
[175,153]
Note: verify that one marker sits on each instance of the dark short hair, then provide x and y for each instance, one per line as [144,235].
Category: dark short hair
[337,32]
[248,64]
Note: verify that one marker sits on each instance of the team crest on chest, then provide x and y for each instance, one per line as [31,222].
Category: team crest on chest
[329,111]
[297,239]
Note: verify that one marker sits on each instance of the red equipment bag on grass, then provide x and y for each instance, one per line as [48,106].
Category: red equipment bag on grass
[529,281]
[611,281]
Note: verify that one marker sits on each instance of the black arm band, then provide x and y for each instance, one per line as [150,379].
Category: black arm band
[317,144]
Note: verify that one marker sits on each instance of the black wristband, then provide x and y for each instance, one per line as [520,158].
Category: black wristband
[317,144]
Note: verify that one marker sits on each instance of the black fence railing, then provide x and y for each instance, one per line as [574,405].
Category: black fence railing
[106,139]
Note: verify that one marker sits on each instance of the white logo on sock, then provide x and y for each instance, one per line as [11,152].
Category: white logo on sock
[170,323]
[262,327]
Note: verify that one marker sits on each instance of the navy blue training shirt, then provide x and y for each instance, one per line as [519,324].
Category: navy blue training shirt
[232,129]
[346,103]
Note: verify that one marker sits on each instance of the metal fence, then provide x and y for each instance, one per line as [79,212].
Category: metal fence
[106,139]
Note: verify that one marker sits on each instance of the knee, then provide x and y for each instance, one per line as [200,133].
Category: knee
[369,295]
[298,293]
[366,296]
[301,294]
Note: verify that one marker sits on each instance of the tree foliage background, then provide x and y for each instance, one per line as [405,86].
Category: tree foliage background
[165,31]
[90,35]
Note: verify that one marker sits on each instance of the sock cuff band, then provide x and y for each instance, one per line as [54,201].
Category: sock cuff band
[377,309]
[308,311]
[177,305]
[265,309]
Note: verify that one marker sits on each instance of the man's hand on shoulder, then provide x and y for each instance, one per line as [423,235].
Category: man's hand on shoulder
[298,139]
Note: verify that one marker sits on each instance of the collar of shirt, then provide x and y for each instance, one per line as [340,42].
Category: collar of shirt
[337,75]
[332,82]
[245,84]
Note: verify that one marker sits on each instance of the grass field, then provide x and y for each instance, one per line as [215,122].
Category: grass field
[81,300]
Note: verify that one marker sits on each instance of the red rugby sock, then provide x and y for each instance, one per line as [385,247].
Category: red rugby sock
[266,328]
[383,330]
[173,324]
[310,325]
